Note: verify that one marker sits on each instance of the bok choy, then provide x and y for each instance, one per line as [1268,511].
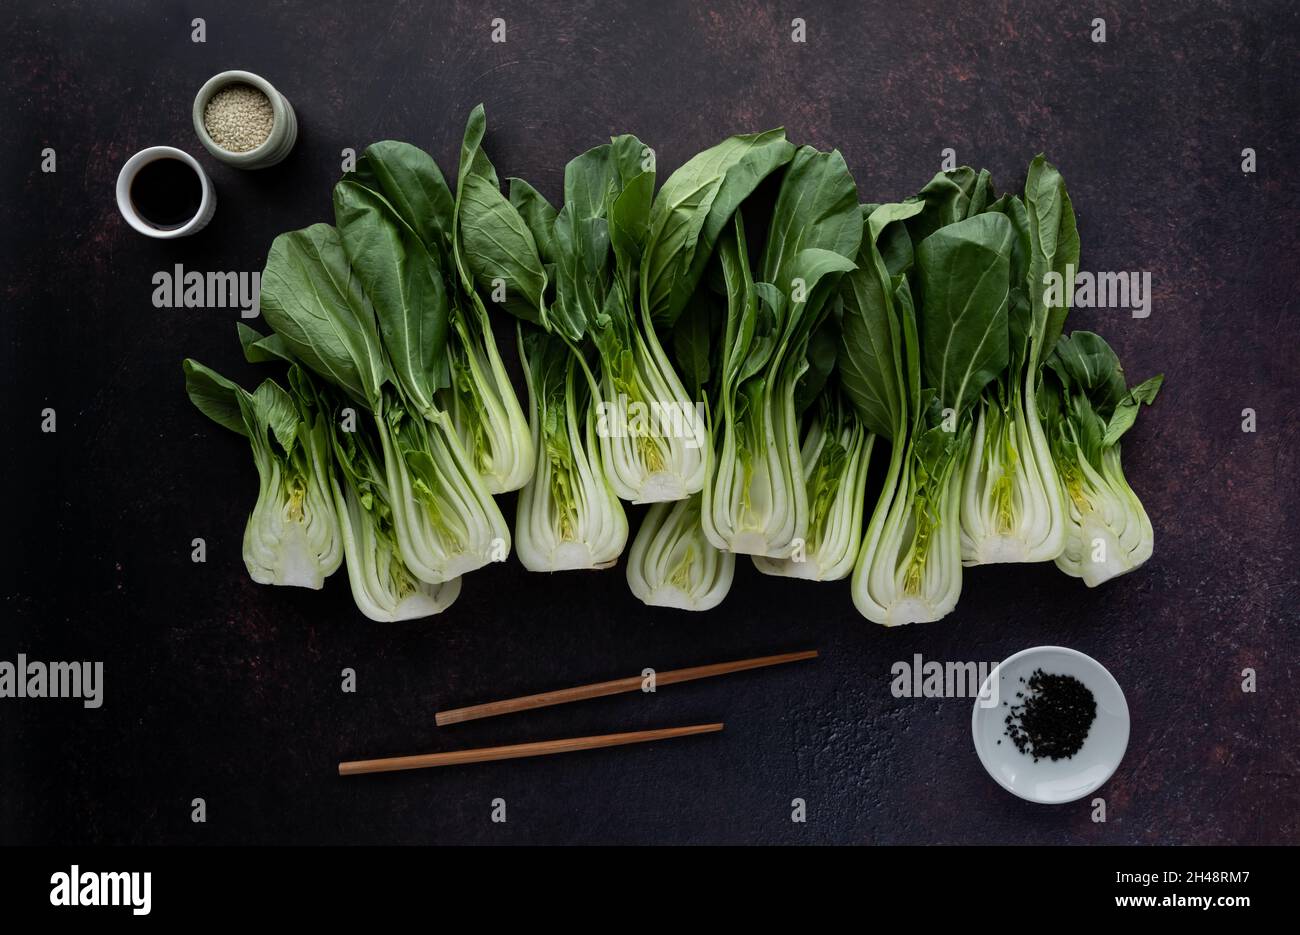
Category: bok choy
[569,517]
[755,501]
[383,587]
[915,368]
[477,394]
[835,454]
[1012,504]
[652,444]
[292,536]
[807,330]
[1088,409]
[672,564]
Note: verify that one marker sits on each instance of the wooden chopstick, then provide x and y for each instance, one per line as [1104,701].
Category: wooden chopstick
[614,687]
[515,751]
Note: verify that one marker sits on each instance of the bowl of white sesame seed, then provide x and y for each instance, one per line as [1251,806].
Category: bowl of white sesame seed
[244,121]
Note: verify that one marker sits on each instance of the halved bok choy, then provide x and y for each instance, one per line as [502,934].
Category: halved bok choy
[915,368]
[755,500]
[569,517]
[476,393]
[383,587]
[1088,408]
[652,444]
[672,564]
[1013,508]
[292,536]
[836,453]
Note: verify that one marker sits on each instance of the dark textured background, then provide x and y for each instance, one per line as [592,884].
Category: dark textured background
[219,688]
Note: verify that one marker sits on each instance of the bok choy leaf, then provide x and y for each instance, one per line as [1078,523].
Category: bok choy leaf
[652,440]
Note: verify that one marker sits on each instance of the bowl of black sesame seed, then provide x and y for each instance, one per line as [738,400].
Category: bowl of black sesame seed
[1051,724]
[244,121]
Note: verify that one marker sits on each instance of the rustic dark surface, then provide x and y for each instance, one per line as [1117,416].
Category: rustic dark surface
[218,688]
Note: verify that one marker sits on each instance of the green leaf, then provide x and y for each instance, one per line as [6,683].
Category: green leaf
[274,409]
[582,242]
[404,286]
[581,250]
[887,227]
[911,358]
[694,207]
[693,342]
[823,346]
[594,179]
[812,266]
[473,161]
[216,397]
[537,215]
[491,240]
[816,213]
[1085,364]
[629,223]
[869,360]
[1020,315]
[412,183]
[315,303]
[983,195]
[946,199]
[742,311]
[1054,246]
[1127,411]
[495,243]
[964,292]
[263,349]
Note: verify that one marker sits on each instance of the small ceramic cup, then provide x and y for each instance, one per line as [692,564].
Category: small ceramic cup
[284,125]
[207,201]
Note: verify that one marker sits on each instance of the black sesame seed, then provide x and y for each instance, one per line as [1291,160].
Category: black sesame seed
[1055,718]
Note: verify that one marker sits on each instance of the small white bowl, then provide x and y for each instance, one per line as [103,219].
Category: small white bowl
[1051,781]
[207,202]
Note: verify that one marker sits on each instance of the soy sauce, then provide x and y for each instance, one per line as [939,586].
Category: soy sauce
[166,193]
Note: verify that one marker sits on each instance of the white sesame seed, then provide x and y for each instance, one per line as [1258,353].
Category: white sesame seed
[239,118]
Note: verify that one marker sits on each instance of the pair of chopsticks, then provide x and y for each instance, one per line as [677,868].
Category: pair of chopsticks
[563,696]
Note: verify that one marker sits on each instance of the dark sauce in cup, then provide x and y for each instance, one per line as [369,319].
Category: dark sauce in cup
[166,193]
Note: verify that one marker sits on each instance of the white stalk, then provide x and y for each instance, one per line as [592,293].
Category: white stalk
[755,502]
[451,526]
[382,586]
[486,413]
[652,438]
[909,570]
[291,538]
[836,507]
[1108,532]
[1013,507]
[672,564]
[568,517]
